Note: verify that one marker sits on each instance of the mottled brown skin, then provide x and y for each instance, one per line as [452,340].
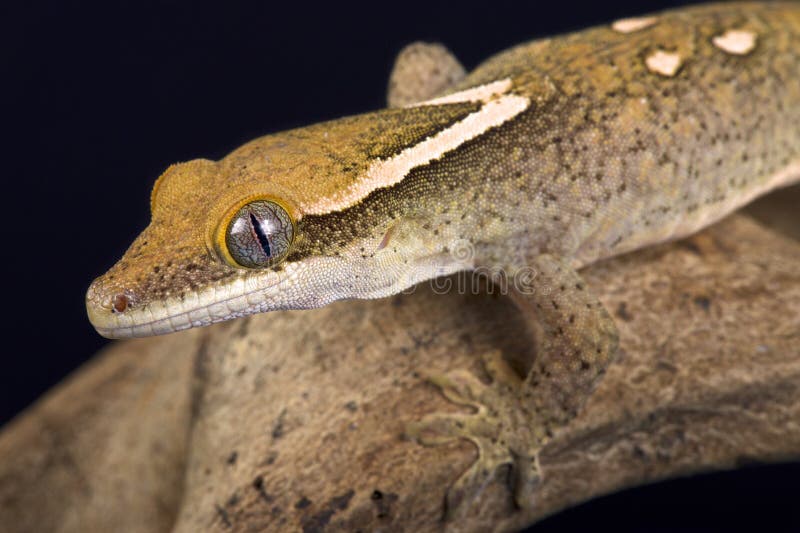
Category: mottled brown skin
[590,171]
[172,256]
[610,154]
[587,172]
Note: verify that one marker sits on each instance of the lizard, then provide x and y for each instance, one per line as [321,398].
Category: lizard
[546,158]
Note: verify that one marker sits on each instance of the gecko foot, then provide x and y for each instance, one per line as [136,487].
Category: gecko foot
[501,427]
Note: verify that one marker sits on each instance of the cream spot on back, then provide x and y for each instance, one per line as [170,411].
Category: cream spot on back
[737,42]
[631,25]
[664,63]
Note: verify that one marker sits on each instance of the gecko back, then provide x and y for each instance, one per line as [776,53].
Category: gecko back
[651,128]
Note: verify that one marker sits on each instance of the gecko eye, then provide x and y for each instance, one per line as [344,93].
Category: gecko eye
[259,234]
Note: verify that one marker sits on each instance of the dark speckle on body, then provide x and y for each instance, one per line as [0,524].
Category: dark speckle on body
[258,485]
[703,302]
[278,428]
[302,503]
[319,520]
[223,516]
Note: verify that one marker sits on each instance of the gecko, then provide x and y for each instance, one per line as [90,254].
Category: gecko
[546,158]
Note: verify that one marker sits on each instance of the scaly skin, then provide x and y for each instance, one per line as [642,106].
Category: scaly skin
[548,157]
[607,156]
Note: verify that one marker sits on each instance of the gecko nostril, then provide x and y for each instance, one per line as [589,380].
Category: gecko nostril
[119,303]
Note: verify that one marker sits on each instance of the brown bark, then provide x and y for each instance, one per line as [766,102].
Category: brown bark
[294,421]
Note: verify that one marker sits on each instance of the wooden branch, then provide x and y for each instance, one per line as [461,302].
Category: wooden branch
[294,421]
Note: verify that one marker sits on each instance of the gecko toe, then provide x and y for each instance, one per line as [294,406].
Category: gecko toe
[496,428]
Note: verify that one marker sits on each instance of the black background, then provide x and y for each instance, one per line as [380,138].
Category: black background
[99,99]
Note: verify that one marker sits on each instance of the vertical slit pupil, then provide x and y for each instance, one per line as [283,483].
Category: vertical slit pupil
[260,235]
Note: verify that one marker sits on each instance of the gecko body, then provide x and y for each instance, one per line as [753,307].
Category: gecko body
[548,157]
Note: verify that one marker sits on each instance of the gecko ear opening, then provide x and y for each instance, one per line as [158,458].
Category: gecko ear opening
[410,227]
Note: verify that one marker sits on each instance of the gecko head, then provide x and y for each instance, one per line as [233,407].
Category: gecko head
[289,221]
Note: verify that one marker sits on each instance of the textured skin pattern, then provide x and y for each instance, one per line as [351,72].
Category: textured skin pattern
[621,154]
[609,156]
[634,138]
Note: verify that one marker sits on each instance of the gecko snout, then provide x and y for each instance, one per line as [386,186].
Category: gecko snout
[106,303]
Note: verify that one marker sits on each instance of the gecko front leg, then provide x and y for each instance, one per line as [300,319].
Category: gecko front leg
[514,416]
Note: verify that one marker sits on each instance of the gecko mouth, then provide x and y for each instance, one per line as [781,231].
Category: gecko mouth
[309,284]
[242,296]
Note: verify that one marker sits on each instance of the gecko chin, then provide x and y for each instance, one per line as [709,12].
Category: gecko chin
[311,283]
